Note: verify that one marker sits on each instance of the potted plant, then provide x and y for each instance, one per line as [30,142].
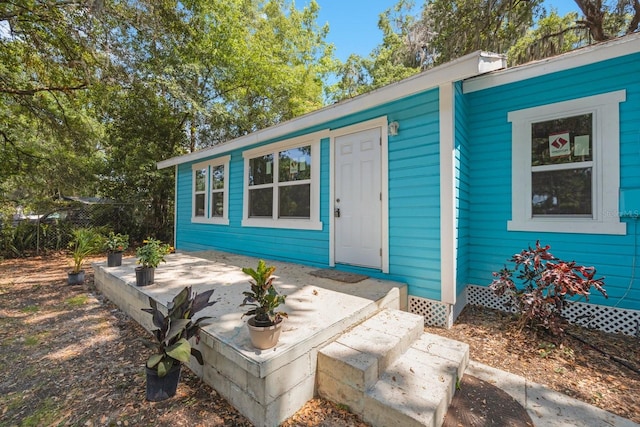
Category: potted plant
[266,323]
[172,346]
[115,244]
[150,255]
[86,241]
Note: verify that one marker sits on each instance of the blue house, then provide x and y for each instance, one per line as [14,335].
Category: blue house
[436,180]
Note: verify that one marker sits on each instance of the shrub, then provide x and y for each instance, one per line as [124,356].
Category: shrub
[263,296]
[546,281]
[152,252]
[116,242]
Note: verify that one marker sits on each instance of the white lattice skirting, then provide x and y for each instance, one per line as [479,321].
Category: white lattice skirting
[435,313]
[608,319]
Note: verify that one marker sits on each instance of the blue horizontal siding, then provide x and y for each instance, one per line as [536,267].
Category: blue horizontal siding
[414,195]
[489,172]
[414,214]
[308,247]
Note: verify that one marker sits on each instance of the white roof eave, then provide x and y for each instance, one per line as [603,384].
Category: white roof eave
[470,65]
[610,49]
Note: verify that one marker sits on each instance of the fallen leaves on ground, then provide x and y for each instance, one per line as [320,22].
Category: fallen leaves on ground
[572,365]
[70,357]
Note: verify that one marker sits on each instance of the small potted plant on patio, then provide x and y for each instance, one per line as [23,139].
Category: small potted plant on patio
[149,255]
[266,323]
[115,244]
[172,346]
[86,241]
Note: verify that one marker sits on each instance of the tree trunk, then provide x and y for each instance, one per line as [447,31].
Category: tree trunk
[593,18]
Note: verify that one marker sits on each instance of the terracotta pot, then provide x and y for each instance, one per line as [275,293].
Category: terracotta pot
[264,337]
[145,276]
[75,278]
[114,259]
[161,388]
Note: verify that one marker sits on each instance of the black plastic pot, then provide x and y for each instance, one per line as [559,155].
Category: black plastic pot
[75,278]
[162,388]
[145,276]
[114,259]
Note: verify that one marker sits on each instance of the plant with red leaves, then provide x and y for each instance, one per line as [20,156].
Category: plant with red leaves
[546,282]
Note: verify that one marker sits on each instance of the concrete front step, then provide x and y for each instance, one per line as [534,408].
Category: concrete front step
[388,371]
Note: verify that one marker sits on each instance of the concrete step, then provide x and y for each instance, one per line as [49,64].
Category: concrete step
[358,357]
[388,371]
[418,388]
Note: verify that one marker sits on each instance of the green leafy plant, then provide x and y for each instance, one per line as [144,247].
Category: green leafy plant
[86,241]
[116,242]
[152,252]
[263,296]
[176,328]
[545,284]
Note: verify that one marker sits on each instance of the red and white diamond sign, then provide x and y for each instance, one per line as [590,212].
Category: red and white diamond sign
[559,144]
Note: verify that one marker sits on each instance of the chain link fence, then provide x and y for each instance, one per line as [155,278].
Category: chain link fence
[52,231]
[54,228]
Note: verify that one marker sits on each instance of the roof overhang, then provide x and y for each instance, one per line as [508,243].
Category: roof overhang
[470,65]
[621,46]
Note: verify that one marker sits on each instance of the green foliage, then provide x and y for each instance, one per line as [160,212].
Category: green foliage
[93,94]
[77,301]
[545,284]
[393,60]
[45,413]
[116,242]
[18,239]
[152,252]
[176,328]
[86,241]
[491,26]
[551,36]
[263,295]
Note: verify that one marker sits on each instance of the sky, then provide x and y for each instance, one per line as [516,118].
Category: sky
[353,24]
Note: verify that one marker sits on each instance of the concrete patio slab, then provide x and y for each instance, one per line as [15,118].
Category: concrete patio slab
[267,386]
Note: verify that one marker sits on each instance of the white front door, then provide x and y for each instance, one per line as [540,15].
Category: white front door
[357,202]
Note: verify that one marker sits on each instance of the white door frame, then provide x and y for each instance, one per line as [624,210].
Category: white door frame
[380,122]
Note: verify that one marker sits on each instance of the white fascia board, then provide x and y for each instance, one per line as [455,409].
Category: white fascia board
[622,46]
[467,66]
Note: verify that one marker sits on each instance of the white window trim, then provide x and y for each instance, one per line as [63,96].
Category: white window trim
[311,223]
[209,165]
[606,166]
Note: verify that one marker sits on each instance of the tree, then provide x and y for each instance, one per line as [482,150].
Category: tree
[48,55]
[552,35]
[394,59]
[605,21]
[229,67]
[143,129]
[460,27]
[211,71]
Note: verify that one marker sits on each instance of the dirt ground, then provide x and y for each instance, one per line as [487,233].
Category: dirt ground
[70,357]
[574,365]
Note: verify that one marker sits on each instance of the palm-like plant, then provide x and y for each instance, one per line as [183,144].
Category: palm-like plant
[86,241]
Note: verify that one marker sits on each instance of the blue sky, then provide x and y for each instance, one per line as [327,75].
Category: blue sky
[353,24]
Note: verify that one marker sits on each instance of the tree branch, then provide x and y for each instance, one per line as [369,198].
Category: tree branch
[635,21]
[33,91]
[10,142]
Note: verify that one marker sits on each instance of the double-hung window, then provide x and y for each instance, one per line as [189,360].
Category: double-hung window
[566,166]
[282,185]
[210,191]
